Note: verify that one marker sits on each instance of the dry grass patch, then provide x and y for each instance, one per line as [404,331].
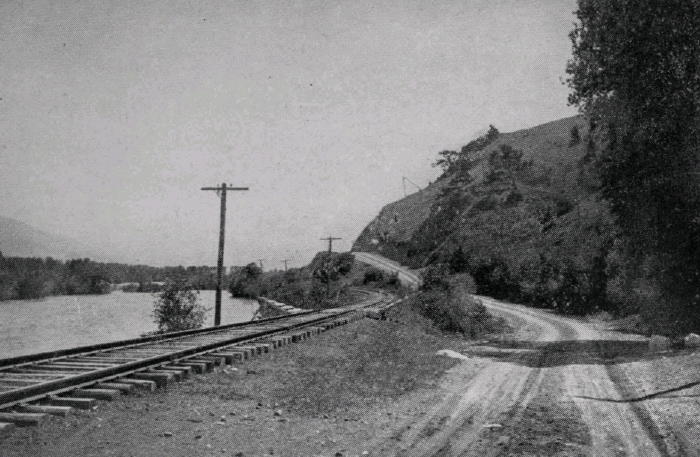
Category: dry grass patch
[357,366]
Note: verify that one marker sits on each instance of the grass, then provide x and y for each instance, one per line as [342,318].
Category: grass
[353,367]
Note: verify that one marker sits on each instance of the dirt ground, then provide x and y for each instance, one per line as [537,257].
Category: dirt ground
[552,386]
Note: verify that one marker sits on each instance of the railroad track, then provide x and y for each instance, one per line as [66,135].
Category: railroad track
[37,385]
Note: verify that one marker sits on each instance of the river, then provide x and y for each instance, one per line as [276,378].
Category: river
[28,326]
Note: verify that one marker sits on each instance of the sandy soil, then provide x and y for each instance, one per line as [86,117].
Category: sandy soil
[553,386]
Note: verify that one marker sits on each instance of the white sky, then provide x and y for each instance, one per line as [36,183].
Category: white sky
[114,114]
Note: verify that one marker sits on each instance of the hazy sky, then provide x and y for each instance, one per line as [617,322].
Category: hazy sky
[114,114]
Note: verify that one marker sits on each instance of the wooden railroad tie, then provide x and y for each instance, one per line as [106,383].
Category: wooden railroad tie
[149,378]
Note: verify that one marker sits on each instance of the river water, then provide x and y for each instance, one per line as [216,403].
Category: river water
[28,326]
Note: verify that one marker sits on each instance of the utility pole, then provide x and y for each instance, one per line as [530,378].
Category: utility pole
[330,242]
[403,181]
[285,263]
[221,190]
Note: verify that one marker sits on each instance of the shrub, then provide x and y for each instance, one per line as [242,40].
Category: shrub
[245,283]
[575,136]
[373,275]
[435,277]
[177,307]
[392,280]
[448,302]
[455,311]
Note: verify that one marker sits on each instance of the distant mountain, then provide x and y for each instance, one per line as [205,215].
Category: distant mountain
[19,239]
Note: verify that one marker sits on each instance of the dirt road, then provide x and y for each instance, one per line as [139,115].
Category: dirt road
[556,388]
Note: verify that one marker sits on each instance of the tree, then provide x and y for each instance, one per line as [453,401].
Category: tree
[246,281]
[446,159]
[575,136]
[634,73]
[459,261]
[460,163]
[177,307]
[327,270]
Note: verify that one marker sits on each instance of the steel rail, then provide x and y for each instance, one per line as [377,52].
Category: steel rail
[165,337]
[135,342]
[223,337]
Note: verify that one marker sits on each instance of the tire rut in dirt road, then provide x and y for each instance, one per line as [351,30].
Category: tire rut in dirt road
[543,421]
[470,409]
[589,379]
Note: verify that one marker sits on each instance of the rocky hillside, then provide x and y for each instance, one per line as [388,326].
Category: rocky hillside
[519,211]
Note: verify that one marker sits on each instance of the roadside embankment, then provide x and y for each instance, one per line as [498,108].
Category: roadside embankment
[271,308]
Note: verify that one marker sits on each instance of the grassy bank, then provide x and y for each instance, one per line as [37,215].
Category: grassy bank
[344,370]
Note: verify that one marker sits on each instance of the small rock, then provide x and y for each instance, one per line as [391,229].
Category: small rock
[365,452]
[195,420]
[452,354]
[167,434]
[277,413]
[659,343]
[249,371]
[325,416]
[222,418]
[692,340]
[238,454]
[374,314]
[503,440]
[338,454]
[232,413]
[282,420]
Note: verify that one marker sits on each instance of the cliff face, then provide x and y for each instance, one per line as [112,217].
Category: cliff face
[524,200]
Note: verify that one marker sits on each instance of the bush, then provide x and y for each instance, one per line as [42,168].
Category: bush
[373,274]
[177,307]
[392,280]
[455,311]
[448,302]
[245,283]
[435,277]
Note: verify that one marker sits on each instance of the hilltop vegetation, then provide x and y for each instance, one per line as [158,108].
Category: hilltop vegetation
[589,213]
[518,211]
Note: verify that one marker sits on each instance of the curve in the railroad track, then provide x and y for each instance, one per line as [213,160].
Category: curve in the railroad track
[35,385]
